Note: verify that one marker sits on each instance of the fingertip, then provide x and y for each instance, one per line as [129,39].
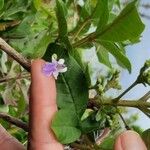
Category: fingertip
[36,70]
[37,64]
[37,61]
[129,140]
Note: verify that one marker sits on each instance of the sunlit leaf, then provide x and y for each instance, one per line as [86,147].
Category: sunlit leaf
[37,4]
[117,53]
[103,56]
[122,28]
[102,13]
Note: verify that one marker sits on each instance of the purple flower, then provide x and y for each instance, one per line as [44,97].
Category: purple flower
[54,68]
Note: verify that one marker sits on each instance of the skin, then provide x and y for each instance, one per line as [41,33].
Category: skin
[42,106]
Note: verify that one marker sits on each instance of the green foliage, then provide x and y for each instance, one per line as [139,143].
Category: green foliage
[102,15]
[70,29]
[1,4]
[146,138]
[70,95]
[108,143]
[122,28]
[66,125]
[62,24]
[116,51]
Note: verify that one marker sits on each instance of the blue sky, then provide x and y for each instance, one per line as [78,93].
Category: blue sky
[138,54]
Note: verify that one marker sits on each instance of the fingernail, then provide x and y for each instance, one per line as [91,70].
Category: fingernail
[130,140]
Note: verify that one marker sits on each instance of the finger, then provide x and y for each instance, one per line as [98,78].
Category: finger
[129,140]
[8,142]
[42,105]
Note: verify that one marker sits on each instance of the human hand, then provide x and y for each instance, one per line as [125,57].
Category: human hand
[43,106]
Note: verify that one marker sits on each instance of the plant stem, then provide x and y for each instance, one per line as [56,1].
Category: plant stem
[124,103]
[81,147]
[126,91]
[97,103]
[88,38]
[14,121]
[81,28]
[123,120]
[6,79]
[24,62]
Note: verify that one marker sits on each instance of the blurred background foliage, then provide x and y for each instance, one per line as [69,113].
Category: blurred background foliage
[81,26]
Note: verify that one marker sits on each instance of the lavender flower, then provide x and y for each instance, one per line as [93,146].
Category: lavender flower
[54,68]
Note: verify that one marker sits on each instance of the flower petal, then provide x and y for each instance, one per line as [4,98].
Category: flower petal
[49,68]
[55,74]
[61,61]
[63,69]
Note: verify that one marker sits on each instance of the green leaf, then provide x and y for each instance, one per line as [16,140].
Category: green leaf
[4,108]
[14,10]
[83,24]
[146,138]
[37,46]
[78,56]
[72,87]
[90,124]
[87,8]
[103,56]
[21,104]
[117,53]
[1,4]
[127,25]
[37,4]
[72,96]
[88,73]
[60,13]
[65,126]
[102,13]
[108,143]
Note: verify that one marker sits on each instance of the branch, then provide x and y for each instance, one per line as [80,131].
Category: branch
[24,62]
[124,122]
[14,121]
[6,79]
[124,103]
[126,91]
[81,28]
[81,147]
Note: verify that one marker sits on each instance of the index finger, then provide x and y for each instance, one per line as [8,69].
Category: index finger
[42,105]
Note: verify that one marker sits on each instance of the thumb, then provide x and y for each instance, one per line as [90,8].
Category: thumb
[129,140]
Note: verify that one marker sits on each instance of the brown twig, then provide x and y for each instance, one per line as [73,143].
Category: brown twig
[6,79]
[14,121]
[24,62]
